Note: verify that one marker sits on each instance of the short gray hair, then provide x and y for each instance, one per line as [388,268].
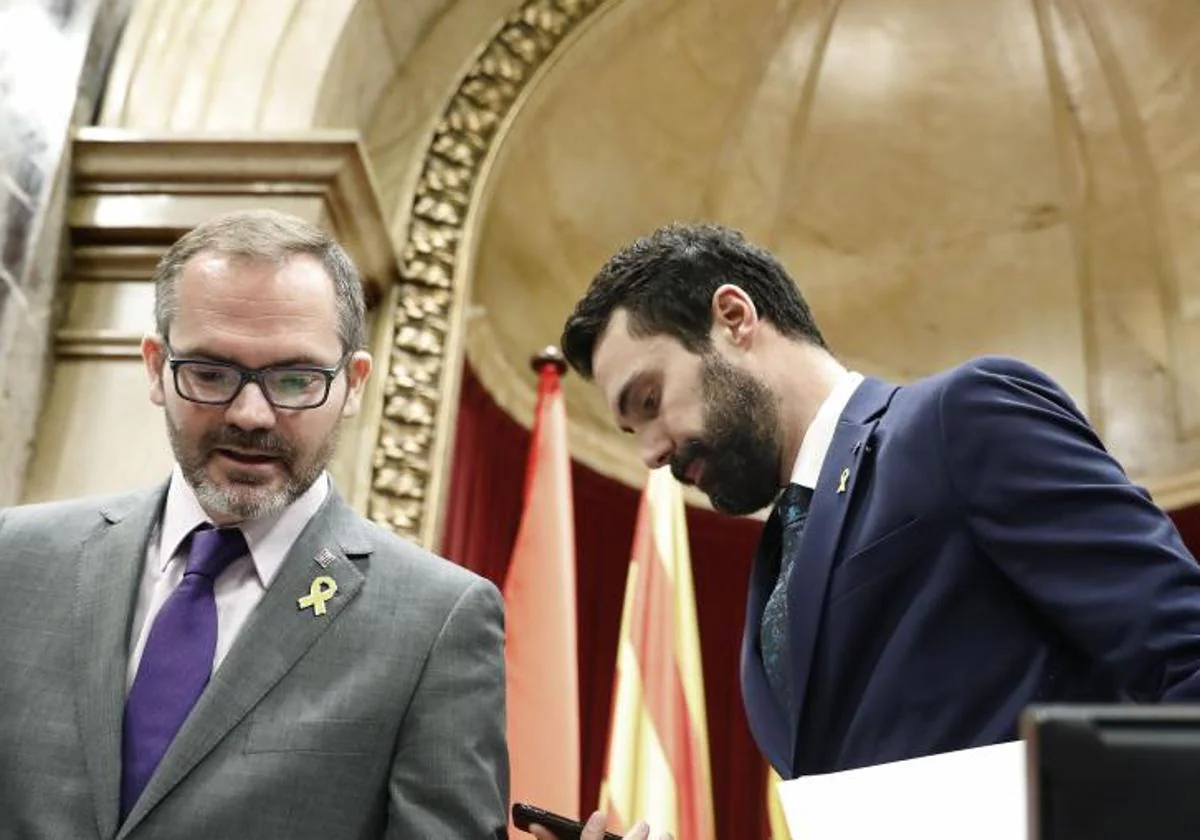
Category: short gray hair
[270,236]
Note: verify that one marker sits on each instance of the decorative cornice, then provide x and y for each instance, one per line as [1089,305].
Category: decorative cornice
[133,189]
[133,194]
[410,460]
[97,343]
[114,263]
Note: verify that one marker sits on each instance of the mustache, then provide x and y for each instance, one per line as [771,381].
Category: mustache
[259,440]
[687,452]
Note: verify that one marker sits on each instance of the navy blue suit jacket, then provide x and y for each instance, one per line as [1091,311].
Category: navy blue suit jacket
[984,552]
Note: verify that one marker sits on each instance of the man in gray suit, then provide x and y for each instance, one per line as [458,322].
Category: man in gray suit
[237,654]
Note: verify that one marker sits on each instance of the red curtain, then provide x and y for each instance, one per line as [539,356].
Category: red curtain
[484,509]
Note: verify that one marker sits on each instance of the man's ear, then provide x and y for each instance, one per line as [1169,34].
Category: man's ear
[734,314]
[154,354]
[358,370]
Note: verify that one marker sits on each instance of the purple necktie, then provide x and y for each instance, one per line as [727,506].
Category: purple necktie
[176,661]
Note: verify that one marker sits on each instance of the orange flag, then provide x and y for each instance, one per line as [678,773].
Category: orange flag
[657,767]
[539,592]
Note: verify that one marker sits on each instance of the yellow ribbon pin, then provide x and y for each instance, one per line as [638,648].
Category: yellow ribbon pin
[322,589]
[842,479]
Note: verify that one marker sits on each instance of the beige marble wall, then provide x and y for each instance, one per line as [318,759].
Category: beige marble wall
[52,58]
[942,181]
[261,65]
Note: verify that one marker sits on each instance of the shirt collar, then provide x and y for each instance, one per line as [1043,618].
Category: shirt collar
[270,538]
[817,440]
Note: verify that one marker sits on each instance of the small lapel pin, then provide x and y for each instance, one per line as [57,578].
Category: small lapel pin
[842,479]
[321,590]
[324,558]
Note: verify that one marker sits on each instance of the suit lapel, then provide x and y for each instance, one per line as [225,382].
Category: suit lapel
[832,501]
[277,634]
[768,722]
[109,570]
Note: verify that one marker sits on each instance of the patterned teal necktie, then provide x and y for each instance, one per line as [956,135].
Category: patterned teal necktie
[792,509]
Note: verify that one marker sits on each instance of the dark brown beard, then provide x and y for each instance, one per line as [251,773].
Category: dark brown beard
[740,444]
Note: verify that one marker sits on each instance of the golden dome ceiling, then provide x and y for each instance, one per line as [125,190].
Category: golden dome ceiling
[943,178]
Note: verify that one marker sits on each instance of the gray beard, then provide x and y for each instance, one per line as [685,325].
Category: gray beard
[240,506]
[245,501]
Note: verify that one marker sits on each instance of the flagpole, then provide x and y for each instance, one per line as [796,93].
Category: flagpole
[548,355]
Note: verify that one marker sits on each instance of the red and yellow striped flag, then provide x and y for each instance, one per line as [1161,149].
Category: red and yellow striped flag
[775,816]
[657,767]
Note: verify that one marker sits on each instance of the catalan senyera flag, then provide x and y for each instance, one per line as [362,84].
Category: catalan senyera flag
[539,592]
[775,816]
[657,767]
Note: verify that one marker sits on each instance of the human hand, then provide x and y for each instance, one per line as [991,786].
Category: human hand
[593,829]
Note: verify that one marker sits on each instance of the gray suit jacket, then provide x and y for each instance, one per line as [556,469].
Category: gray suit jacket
[383,718]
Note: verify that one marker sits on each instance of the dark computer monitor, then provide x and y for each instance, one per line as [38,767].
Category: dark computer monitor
[1113,772]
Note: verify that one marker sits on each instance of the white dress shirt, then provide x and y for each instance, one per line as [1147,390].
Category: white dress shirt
[240,587]
[813,449]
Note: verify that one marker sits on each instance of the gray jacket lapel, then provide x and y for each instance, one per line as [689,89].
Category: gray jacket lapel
[109,570]
[278,633]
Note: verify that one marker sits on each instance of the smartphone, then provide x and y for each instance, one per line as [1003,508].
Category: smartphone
[562,827]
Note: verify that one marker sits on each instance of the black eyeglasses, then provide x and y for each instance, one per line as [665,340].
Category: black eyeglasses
[219,383]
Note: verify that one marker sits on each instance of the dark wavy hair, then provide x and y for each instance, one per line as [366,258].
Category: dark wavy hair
[665,282]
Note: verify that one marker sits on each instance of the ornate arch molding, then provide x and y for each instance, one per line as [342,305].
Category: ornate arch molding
[420,392]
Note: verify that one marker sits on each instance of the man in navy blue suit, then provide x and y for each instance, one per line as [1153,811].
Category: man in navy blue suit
[942,554]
